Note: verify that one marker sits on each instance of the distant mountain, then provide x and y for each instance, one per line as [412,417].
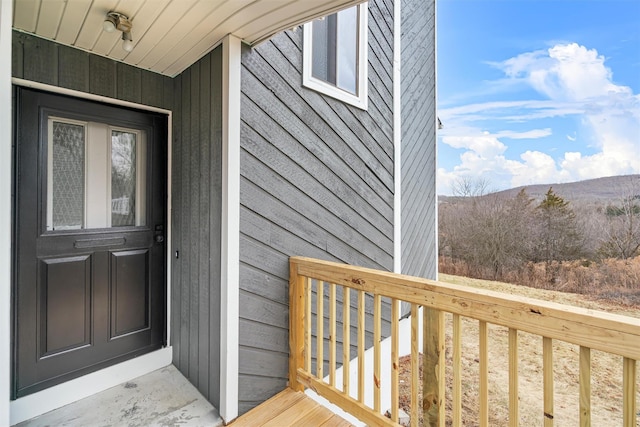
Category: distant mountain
[602,190]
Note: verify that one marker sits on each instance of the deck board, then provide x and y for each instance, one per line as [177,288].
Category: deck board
[290,408]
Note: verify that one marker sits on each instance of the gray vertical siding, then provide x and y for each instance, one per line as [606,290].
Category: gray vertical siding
[197,180]
[43,61]
[418,138]
[316,180]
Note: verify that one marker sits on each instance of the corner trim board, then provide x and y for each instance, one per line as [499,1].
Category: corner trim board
[397,138]
[6,179]
[230,235]
[435,141]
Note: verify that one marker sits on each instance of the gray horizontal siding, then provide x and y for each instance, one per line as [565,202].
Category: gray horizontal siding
[316,180]
[196,203]
[418,138]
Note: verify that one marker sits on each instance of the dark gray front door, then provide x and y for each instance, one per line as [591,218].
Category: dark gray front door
[90,218]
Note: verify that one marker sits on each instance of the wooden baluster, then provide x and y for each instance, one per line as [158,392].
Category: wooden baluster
[346,338]
[457,371]
[547,380]
[415,366]
[308,324]
[296,322]
[629,408]
[484,373]
[320,330]
[585,386]
[395,361]
[332,334]
[513,378]
[433,373]
[361,349]
[377,320]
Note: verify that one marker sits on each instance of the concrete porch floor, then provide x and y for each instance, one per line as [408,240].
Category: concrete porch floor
[160,398]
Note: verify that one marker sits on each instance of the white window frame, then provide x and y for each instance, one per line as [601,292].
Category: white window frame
[360,99]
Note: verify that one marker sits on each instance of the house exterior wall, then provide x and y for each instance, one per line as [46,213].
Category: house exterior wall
[316,180]
[418,100]
[196,205]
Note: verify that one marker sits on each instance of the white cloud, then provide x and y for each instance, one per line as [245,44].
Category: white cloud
[576,83]
[565,71]
[530,134]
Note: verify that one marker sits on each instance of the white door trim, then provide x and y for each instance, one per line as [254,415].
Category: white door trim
[6,178]
[71,391]
[230,244]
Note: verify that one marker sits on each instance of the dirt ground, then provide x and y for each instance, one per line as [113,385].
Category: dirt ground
[606,369]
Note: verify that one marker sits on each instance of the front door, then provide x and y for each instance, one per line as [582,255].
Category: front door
[90,219]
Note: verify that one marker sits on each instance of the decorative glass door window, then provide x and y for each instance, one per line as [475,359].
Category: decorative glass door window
[67,175]
[96,176]
[335,55]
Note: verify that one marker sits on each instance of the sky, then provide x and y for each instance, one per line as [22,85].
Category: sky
[537,92]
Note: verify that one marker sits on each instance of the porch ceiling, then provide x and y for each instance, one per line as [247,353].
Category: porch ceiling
[168,35]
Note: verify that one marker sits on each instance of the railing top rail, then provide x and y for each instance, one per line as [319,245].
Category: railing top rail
[598,330]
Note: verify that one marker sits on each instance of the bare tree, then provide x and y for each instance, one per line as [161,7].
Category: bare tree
[490,233]
[468,187]
[621,231]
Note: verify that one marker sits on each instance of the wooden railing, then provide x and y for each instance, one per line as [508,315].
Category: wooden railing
[430,300]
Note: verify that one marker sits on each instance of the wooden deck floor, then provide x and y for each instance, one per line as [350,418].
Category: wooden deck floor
[290,408]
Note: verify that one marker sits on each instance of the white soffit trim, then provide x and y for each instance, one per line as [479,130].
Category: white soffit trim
[63,394]
[230,253]
[397,138]
[6,15]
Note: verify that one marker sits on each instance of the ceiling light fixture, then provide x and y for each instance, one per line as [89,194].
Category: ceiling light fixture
[120,22]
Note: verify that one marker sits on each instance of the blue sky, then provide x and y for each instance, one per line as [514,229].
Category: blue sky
[537,92]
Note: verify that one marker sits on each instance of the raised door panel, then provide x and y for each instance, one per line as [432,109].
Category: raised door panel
[129,292]
[65,304]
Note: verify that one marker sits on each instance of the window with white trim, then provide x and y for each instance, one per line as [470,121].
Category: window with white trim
[335,55]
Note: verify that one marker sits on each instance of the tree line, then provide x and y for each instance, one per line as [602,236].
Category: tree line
[500,237]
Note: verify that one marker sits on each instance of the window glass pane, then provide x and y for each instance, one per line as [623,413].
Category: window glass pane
[67,175]
[123,178]
[347,49]
[324,49]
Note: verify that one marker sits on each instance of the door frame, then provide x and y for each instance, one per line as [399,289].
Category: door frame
[6,179]
[44,401]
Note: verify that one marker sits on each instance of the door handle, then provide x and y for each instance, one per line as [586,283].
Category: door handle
[159,238]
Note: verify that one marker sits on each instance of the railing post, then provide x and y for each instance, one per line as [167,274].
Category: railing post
[296,325]
[629,406]
[433,380]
